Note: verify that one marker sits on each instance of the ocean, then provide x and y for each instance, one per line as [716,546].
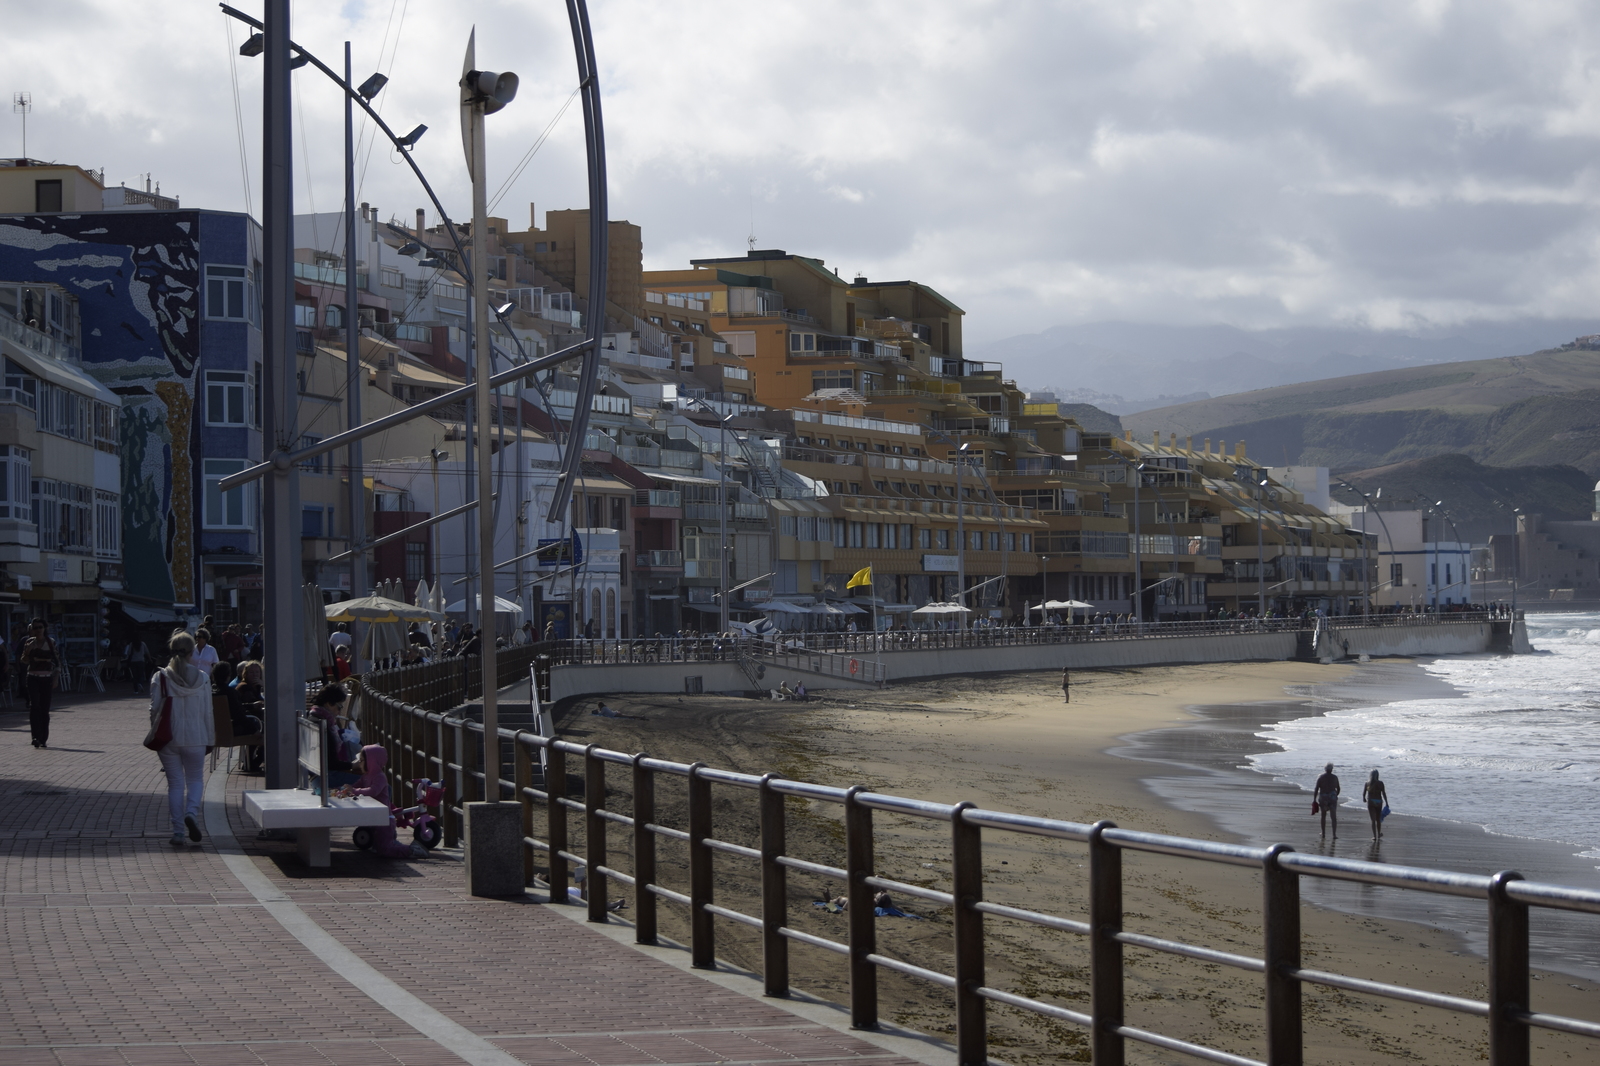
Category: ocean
[1513,749]
[1491,762]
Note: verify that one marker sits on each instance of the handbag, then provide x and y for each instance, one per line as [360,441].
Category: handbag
[1385,812]
[160,734]
[1315,807]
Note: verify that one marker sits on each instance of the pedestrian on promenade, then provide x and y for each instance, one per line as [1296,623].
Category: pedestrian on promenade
[1327,793]
[183,758]
[1066,684]
[340,638]
[1377,797]
[39,664]
[205,653]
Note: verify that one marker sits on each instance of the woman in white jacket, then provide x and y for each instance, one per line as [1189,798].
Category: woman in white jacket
[183,758]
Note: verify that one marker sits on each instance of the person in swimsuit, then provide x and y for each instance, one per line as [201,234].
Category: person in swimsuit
[1327,793]
[1377,797]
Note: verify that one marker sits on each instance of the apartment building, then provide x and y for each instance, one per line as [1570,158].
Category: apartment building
[142,320]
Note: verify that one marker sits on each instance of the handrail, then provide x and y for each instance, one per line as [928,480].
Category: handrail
[427,742]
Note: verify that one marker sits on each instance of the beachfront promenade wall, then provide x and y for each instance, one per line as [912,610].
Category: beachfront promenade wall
[711,666]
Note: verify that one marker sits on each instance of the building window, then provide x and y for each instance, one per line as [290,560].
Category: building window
[226,510]
[317,464]
[16,479]
[226,296]
[227,397]
[311,522]
[47,195]
[305,316]
[925,538]
[107,525]
[619,513]
[393,279]
[416,563]
[833,379]
[1397,573]
[333,317]
[64,513]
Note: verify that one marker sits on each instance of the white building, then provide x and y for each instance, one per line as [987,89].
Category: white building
[1417,566]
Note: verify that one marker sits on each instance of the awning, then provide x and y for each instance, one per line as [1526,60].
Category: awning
[683,478]
[148,615]
[58,373]
[779,607]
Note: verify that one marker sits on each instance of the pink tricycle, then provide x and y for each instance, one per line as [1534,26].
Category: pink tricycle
[419,818]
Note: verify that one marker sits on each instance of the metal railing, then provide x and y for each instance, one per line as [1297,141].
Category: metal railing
[719,649]
[424,744]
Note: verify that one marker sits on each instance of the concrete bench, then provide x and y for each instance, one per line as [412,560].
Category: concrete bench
[303,810]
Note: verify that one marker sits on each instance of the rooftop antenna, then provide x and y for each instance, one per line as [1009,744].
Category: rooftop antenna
[751,240]
[22,103]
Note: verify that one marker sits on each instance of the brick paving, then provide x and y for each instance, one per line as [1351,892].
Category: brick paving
[124,951]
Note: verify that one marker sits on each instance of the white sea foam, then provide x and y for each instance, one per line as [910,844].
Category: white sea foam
[1517,751]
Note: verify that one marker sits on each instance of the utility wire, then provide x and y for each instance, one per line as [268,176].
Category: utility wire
[516,173]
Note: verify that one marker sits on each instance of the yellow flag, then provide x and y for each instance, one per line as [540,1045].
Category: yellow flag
[862,577]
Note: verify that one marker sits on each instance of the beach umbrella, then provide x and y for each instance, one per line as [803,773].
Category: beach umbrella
[501,605]
[375,609]
[314,631]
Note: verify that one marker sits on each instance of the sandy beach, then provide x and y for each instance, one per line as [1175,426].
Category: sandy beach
[1009,743]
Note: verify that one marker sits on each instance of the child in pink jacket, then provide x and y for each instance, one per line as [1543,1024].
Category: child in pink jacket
[370,765]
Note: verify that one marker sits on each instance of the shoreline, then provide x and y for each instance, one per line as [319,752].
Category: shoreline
[1009,743]
[1202,773]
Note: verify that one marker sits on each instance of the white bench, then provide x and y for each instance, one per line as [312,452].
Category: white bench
[311,815]
[302,810]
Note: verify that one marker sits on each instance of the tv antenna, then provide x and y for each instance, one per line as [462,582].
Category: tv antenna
[751,240]
[21,104]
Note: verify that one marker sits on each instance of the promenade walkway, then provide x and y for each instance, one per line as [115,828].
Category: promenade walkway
[120,949]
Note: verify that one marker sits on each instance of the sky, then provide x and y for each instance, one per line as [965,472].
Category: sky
[1384,165]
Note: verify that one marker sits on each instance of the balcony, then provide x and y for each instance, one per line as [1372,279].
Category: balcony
[658,560]
[658,498]
[327,275]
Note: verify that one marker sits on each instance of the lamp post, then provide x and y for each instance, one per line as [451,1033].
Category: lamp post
[352,358]
[961,534]
[1138,562]
[1044,588]
[1372,501]
[722,512]
[1261,552]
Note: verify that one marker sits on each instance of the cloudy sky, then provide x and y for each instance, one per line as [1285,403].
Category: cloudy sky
[1380,164]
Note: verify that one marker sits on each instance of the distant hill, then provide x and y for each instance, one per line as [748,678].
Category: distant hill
[1091,418]
[1538,409]
[1479,498]
[1127,366]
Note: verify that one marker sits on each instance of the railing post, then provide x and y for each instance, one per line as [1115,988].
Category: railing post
[471,763]
[1105,954]
[555,787]
[1280,914]
[1508,973]
[522,759]
[966,863]
[774,891]
[702,927]
[862,922]
[644,852]
[452,777]
[594,831]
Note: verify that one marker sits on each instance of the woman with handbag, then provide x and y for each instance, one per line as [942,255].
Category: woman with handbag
[181,732]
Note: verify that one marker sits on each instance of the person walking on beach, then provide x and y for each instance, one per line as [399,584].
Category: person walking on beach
[1377,797]
[1066,684]
[1327,792]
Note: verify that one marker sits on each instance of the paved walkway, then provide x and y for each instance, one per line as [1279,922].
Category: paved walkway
[120,949]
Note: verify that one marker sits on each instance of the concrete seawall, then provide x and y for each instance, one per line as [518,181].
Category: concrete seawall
[1423,638]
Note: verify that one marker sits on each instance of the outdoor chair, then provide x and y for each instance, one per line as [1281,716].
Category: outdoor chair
[222,725]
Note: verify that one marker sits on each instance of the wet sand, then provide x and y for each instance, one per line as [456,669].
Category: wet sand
[1009,743]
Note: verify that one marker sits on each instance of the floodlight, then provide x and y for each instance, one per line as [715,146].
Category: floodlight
[373,86]
[431,261]
[413,137]
[496,90]
[254,46]
[410,248]
[299,61]
[505,308]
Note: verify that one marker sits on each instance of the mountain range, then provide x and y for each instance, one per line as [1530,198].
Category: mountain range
[1124,367]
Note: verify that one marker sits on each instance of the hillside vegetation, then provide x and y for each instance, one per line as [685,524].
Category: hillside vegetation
[1541,409]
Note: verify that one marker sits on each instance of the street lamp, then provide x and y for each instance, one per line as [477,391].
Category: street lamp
[483,93]
[1261,552]
[1138,563]
[722,512]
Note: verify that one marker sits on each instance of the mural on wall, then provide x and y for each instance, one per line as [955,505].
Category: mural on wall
[137,278]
